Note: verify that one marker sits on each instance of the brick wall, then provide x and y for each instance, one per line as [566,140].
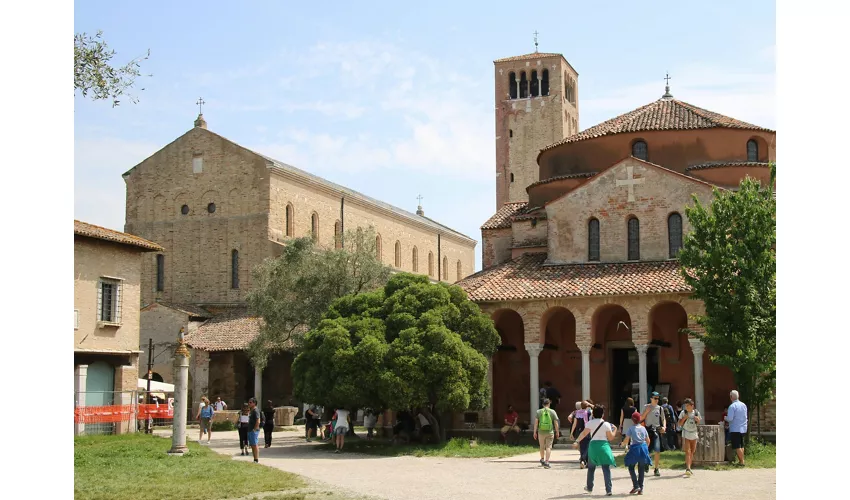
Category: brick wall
[496,246]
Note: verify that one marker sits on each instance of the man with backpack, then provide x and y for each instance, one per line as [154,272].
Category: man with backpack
[546,430]
[669,440]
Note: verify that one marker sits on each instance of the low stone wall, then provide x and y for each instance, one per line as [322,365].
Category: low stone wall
[284,415]
[229,415]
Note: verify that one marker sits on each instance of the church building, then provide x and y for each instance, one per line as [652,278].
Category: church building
[580,270]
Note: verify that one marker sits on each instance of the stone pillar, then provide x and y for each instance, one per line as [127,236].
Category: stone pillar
[699,396]
[258,386]
[80,374]
[585,371]
[518,88]
[641,350]
[489,414]
[534,353]
[181,391]
[200,368]
[539,86]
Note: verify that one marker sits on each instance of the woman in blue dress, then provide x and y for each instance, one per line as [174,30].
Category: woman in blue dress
[638,454]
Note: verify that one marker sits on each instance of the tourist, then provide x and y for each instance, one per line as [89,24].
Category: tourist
[689,418]
[679,407]
[268,422]
[202,404]
[340,427]
[737,417]
[370,420]
[511,418]
[311,422]
[725,424]
[219,404]
[653,419]
[554,396]
[243,429]
[599,451]
[546,430]
[626,418]
[583,415]
[637,453]
[668,441]
[205,415]
[542,395]
[254,418]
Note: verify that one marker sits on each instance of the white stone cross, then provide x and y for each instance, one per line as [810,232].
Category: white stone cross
[630,181]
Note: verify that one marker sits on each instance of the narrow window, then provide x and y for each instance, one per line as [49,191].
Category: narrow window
[566,87]
[639,150]
[289,220]
[459,270]
[415,260]
[378,253]
[513,85]
[535,84]
[593,240]
[445,268]
[634,239]
[752,150]
[234,269]
[160,272]
[523,86]
[398,254]
[511,132]
[314,227]
[430,264]
[109,300]
[674,234]
[545,89]
[512,176]
[337,234]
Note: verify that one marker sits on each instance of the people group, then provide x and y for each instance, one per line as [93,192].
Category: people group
[248,423]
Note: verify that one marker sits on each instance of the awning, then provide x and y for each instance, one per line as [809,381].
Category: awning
[156,386]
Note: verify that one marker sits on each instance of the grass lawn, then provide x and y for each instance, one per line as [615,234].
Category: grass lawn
[757,456]
[137,466]
[456,448]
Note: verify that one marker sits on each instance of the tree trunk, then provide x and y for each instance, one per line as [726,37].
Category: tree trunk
[437,428]
[350,433]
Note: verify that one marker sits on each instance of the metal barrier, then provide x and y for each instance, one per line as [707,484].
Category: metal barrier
[120,412]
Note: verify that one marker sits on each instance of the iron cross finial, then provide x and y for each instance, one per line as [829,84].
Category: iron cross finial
[667,78]
[200,104]
[420,199]
[535,40]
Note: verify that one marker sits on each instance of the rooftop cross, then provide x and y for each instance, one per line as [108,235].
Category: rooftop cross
[667,94]
[667,78]
[200,104]
[535,41]
[419,198]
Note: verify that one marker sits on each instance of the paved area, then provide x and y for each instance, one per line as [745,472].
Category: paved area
[518,477]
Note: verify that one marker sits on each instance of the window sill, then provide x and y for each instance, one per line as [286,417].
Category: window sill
[108,324]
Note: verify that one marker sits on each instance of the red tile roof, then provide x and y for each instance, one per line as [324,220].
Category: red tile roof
[582,175]
[527,277]
[231,330]
[101,233]
[502,217]
[663,114]
[533,55]
[720,164]
[188,309]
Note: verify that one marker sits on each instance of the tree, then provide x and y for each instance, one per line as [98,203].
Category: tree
[729,260]
[93,73]
[413,344]
[291,293]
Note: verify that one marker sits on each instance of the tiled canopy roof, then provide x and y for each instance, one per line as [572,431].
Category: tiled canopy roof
[232,330]
[527,277]
[502,217]
[101,233]
[720,164]
[663,114]
[533,55]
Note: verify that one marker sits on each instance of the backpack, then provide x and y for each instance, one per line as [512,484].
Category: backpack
[670,415]
[545,424]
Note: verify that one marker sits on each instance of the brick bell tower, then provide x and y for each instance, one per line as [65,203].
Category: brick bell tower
[536,105]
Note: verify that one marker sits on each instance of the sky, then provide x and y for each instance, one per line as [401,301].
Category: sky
[392,100]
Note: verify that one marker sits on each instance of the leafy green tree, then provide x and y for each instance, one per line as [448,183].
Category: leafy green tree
[411,345]
[291,293]
[94,74]
[729,260]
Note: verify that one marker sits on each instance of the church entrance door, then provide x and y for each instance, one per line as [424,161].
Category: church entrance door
[624,378]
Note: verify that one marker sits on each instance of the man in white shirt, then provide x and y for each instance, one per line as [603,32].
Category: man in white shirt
[219,404]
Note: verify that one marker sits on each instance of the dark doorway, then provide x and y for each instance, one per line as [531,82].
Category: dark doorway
[625,376]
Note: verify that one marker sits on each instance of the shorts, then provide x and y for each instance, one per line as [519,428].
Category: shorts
[312,423]
[205,424]
[340,430]
[508,428]
[253,437]
[546,440]
[737,440]
[654,442]
[690,435]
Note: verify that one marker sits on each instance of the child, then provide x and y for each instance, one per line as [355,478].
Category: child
[637,454]
[688,420]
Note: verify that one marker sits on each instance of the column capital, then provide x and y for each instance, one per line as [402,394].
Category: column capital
[534,350]
[697,346]
[585,348]
[642,348]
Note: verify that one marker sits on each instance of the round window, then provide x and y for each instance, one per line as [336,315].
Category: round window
[184,209]
[211,208]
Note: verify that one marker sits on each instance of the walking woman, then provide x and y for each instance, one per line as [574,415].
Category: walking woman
[340,428]
[205,415]
[243,429]
[626,418]
[638,453]
[599,451]
[268,422]
[689,419]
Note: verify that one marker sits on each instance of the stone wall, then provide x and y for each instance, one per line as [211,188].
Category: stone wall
[496,246]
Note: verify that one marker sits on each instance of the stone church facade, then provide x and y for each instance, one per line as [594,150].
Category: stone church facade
[218,210]
[580,271]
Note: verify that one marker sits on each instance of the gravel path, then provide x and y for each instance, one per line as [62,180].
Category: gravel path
[520,477]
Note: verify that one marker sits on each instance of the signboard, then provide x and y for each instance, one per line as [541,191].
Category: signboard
[170,407]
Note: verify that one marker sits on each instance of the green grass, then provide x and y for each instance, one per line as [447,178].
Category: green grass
[758,455]
[136,465]
[455,448]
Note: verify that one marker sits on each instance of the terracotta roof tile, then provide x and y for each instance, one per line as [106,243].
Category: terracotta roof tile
[533,55]
[101,233]
[502,217]
[663,114]
[231,330]
[720,164]
[191,310]
[562,177]
[527,277]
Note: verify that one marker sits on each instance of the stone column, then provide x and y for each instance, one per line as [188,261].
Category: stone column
[258,386]
[533,354]
[80,374]
[585,370]
[641,350]
[489,414]
[539,86]
[699,396]
[518,88]
[181,391]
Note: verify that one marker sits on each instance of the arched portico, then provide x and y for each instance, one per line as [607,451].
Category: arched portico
[560,360]
[511,368]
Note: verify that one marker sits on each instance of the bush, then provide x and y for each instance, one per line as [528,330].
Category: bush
[225,425]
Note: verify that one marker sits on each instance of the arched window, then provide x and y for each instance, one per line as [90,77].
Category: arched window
[545,89]
[445,268]
[430,264]
[160,272]
[234,269]
[314,227]
[566,87]
[398,254]
[337,234]
[593,240]
[752,150]
[290,220]
[459,271]
[523,85]
[513,85]
[535,84]
[415,258]
[639,150]
[512,176]
[634,239]
[674,234]
[378,252]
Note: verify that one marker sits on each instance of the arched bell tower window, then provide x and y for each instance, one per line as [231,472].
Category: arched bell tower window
[752,150]
[545,85]
[535,84]
[512,85]
[523,85]
[639,150]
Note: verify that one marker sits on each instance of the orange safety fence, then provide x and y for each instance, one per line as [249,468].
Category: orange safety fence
[162,410]
[103,414]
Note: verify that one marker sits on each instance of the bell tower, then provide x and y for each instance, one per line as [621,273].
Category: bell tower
[536,105]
